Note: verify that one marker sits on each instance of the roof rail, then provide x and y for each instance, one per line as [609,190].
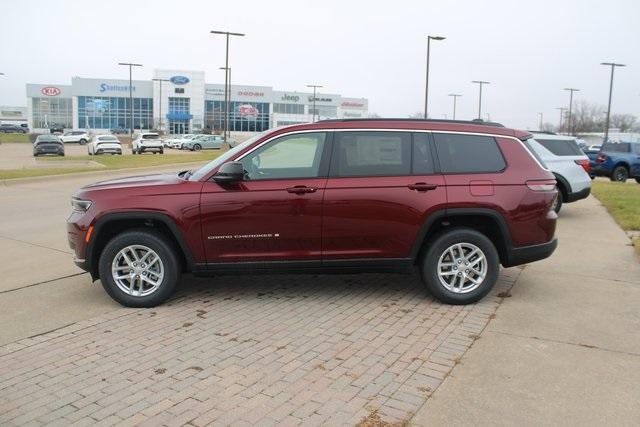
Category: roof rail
[399,119]
[545,132]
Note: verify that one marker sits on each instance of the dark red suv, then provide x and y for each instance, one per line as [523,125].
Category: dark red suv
[453,200]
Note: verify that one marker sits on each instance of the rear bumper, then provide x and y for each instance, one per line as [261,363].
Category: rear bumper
[526,254]
[578,195]
[599,170]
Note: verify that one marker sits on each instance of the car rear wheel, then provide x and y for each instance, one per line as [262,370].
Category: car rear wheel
[196,147]
[620,174]
[460,266]
[139,268]
[82,141]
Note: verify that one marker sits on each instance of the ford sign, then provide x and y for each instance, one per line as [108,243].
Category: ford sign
[179,80]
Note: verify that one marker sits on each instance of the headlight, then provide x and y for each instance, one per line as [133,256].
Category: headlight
[80,205]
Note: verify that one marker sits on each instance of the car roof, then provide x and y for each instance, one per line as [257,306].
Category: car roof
[409,124]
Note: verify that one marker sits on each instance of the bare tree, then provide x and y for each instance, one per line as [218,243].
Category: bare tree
[548,127]
[624,122]
[417,115]
[587,117]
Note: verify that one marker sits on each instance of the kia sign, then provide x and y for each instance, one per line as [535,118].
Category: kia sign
[50,91]
[179,80]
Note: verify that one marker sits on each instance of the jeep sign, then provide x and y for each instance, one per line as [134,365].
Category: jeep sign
[50,91]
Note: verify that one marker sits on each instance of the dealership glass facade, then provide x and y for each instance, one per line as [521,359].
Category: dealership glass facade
[179,115]
[288,108]
[102,112]
[243,116]
[49,111]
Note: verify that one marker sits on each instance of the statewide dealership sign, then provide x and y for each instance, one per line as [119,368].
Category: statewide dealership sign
[104,87]
[349,104]
[179,80]
[50,91]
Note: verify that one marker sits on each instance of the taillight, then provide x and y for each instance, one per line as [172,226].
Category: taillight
[541,185]
[601,158]
[584,163]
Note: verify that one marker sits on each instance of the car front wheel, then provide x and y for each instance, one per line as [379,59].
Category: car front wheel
[460,266]
[620,174]
[82,141]
[139,268]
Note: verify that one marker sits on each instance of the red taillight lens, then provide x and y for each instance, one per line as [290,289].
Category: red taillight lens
[584,163]
[541,185]
[601,158]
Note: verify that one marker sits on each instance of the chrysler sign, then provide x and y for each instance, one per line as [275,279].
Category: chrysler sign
[179,80]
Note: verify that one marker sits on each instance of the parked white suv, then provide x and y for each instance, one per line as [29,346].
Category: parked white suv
[104,144]
[147,141]
[79,136]
[568,163]
[178,141]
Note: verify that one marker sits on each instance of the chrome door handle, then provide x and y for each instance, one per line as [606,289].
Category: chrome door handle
[422,186]
[301,189]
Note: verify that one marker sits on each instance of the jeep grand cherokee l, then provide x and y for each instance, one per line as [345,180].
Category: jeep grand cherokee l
[453,200]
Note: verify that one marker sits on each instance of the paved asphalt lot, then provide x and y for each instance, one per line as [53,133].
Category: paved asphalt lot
[312,350]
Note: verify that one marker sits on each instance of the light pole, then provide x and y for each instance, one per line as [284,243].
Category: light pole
[562,110]
[314,100]
[160,101]
[480,83]
[227,73]
[613,65]
[455,97]
[426,88]
[130,65]
[226,79]
[571,90]
[540,125]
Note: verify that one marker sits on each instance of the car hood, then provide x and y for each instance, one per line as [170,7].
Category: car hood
[136,181]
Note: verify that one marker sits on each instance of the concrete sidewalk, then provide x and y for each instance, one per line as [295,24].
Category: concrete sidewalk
[565,348]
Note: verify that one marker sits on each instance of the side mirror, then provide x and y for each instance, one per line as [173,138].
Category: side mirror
[229,172]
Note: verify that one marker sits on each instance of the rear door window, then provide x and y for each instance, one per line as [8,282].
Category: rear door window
[371,154]
[561,147]
[460,153]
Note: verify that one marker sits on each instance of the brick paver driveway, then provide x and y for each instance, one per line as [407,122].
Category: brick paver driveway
[270,350]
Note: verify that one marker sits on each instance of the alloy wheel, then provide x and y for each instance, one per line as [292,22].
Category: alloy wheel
[137,270]
[462,268]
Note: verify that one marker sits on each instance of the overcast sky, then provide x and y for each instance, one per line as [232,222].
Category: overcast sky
[528,50]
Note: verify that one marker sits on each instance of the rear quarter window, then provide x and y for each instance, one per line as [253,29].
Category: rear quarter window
[561,147]
[620,147]
[468,153]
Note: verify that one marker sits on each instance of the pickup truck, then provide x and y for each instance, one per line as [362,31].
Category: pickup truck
[619,161]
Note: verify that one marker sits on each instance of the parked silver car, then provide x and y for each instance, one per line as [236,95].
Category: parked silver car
[206,142]
[568,163]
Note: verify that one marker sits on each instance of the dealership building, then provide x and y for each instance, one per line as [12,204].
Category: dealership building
[184,103]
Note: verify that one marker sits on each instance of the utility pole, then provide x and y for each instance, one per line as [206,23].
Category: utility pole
[540,125]
[227,94]
[613,65]
[130,65]
[160,102]
[562,110]
[314,100]
[569,125]
[480,83]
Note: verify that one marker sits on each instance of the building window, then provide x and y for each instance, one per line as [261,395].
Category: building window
[324,111]
[101,112]
[243,116]
[52,111]
[179,90]
[288,108]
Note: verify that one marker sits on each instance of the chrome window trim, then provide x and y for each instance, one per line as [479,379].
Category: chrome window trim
[266,141]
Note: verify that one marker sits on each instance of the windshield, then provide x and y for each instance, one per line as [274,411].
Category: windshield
[560,147]
[224,157]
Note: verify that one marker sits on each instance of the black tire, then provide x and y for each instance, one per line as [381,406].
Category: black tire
[82,141]
[559,201]
[133,151]
[162,151]
[439,244]
[619,174]
[163,248]
[196,147]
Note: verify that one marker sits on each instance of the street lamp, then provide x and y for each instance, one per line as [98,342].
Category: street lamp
[571,90]
[480,83]
[314,99]
[426,88]
[227,73]
[130,65]
[160,101]
[613,65]
[227,95]
[455,97]
[562,110]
